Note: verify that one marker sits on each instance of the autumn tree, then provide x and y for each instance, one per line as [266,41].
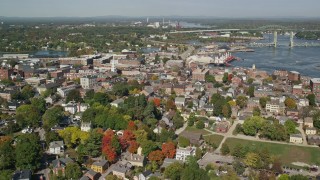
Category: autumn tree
[290,103]
[169,149]
[73,136]
[252,160]
[133,147]
[156,156]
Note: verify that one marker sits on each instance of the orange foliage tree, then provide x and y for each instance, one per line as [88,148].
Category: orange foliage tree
[156,156]
[157,101]
[133,147]
[131,126]
[169,149]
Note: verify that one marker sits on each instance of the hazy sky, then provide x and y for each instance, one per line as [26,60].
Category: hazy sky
[217,8]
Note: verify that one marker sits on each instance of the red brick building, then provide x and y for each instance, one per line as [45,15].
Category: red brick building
[315,86]
[293,76]
[5,73]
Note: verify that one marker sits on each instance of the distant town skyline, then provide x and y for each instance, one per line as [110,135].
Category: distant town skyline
[214,8]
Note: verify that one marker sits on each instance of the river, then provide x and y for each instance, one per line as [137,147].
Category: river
[305,60]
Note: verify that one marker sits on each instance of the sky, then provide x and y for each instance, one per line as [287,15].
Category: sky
[212,8]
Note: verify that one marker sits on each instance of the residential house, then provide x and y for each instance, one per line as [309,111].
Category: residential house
[311,131]
[183,153]
[292,112]
[209,109]
[60,164]
[116,102]
[135,159]
[308,122]
[145,175]
[64,91]
[314,139]
[222,127]
[88,82]
[90,175]
[194,138]
[200,74]
[120,170]
[275,106]
[22,175]
[296,138]
[179,89]
[85,126]
[180,102]
[56,147]
[99,166]
[199,86]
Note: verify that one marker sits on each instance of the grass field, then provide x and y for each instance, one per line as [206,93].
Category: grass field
[287,153]
[194,129]
[213,139]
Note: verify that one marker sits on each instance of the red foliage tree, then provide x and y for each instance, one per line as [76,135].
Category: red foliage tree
[157,101]
[133,147]
[169,149]
[230,76]
[128,135]
[131,126]
[106,140]
[156,156]
[110,153]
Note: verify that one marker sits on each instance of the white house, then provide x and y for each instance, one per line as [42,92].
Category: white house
[117,102]
[183,153]
[56,147]
[88,82]
[85,126]
[180,101]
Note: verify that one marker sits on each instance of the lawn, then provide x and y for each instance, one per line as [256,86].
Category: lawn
[213,139]
[287,153]
[196,130]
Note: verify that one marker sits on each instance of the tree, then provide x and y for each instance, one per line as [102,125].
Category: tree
[225,78]
[74,95]
[277,166]
[284,177]
[242,101]
[73,171]
[112,177]
[256,111]
[316,119]
[250,81]
[290,103]
[198,154]
[238,167]
[226,110]
[252,160]
[252,125]
[28,115]
[156,156]
[177,120]
[200,124]
[169,149]
[92,145]
[298,177]
[173,171]
[290,126]
[251,91]
[191,119]
[183,142]
[263,101]
[101,98]
[51,136]
[39,103]
[27,92]
[6,155]
[53,116]
[225,149]
[72,136]
[27,151]
[192,171]
[133,147]
[312,99]
[148,146]
[239,151]
[210,78]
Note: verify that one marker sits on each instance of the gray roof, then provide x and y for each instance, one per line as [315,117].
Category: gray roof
[62,161]
[23,174]
[55,144]
[168,161]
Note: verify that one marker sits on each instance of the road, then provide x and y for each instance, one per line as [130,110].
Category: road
[187,53]
[300,128]
[185,125]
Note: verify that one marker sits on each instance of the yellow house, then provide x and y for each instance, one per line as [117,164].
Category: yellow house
[311,131]
[100,166]
[296,138]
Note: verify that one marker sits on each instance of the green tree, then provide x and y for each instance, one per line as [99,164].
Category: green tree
[74,95]
[290,126]
[27,92]
[101,98]
[312,99]
[250,81]
[148,146]
[51,136]
[242,101]
[263,101]
[239,167]
[251,91]
[226,110]
[177,120]
[200,124]
[39,103]
[73,171]
[225,78]
[225,149]
[284,177]
[256,111]
[191,119]
[28,115]
[173,171]
[53,116]
[298,177]
[183,142]
[6,174]
[210,78]
[6,155]
[27,151]
[252,125]
[192,171]
[92,145]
